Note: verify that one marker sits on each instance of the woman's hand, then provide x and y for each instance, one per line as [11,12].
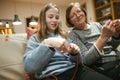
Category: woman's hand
[73,49]
[116,23]
[108,29]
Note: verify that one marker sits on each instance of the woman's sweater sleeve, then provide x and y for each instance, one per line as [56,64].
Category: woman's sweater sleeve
[89,56]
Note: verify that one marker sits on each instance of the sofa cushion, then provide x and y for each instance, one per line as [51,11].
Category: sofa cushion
[12,48]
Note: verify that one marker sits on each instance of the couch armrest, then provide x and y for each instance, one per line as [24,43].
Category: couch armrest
[11,56]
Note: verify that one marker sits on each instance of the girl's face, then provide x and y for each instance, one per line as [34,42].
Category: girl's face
[52,19]
[77,16]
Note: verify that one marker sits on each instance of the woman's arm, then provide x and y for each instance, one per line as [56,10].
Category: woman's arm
[88,56]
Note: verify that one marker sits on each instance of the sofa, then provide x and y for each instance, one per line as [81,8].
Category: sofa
[12,48]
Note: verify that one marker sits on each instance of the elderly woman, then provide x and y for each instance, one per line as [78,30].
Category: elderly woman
[97,43]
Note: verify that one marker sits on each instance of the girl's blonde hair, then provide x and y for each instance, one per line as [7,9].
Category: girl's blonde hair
[43,30]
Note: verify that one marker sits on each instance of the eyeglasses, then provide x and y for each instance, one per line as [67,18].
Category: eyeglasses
[76,14]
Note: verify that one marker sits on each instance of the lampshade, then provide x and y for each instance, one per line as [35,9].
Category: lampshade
[7,25]
[16,20]
[1,22]
[33,21]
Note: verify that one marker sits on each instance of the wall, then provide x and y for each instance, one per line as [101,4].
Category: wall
[90,12]
[23,9]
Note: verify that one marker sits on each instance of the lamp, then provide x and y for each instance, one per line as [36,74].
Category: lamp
[32,21]
[16,20]
[7,25]
[1,22]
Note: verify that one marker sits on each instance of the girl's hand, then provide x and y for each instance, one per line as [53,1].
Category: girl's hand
[30,31]
[58,43]
[62,45]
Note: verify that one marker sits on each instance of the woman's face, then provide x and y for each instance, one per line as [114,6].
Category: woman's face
[52,19]
[77,16]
